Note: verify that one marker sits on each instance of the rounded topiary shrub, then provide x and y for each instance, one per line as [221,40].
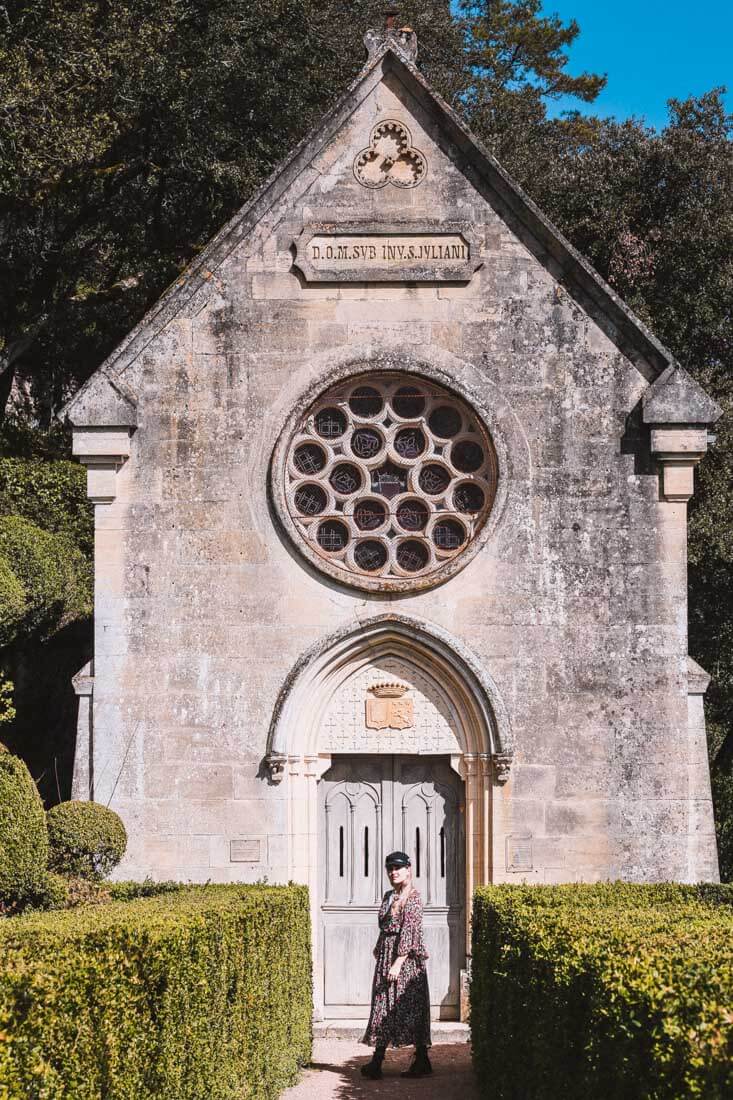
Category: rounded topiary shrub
[86,839]
[23,836]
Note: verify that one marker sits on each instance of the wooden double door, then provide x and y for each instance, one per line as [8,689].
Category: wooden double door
[369,806]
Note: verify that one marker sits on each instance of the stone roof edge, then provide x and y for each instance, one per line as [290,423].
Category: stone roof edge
[676,398]
[545,231]
[103,401]
[200,270]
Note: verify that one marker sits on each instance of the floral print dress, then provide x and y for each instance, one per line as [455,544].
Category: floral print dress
[400,1014]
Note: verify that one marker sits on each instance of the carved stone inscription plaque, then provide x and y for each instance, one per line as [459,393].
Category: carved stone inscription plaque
[385,257]
[244,851]
[519,853]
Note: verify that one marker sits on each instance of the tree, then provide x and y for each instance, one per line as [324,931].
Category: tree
[131,132]
[516,61]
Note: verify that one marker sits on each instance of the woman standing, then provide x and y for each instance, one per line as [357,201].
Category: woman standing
[400,1014]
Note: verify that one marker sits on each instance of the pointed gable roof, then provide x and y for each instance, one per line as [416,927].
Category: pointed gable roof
[386,54]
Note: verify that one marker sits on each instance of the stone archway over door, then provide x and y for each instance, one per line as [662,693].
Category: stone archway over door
[371,805]
[448,707]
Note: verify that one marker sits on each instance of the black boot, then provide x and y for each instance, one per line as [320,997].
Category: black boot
[420,1064]
[373,1069]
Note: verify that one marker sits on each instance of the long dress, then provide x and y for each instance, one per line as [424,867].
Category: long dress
[400,1014]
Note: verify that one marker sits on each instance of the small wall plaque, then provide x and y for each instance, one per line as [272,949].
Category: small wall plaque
[386,253]
[244,851]
[519,853]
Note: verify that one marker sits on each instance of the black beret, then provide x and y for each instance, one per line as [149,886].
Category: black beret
[397,859]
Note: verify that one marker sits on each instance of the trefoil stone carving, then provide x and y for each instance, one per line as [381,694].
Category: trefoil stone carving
[390,158]
[386,707]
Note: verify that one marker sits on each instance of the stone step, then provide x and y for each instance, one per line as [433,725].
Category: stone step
[443,1031]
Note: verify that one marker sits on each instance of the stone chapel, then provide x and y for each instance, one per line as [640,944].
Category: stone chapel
[390,500]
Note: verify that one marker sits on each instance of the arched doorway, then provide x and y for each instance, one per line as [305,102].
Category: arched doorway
[396,722]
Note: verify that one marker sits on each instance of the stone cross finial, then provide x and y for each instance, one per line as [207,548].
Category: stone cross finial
[403,39]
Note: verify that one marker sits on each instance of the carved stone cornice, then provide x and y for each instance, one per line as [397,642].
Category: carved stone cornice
[103,451]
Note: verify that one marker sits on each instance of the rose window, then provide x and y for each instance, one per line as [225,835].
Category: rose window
[387,480]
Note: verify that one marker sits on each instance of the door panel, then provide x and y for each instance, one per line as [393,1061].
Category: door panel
[371,806]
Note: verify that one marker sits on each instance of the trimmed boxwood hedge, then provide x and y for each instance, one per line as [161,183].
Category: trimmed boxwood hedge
[23,836]
[85,839]
[614,991]
[203,994]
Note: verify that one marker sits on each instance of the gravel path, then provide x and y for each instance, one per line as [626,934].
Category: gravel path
[334,1074]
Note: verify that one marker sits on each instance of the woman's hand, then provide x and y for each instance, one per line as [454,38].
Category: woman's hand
[394,970]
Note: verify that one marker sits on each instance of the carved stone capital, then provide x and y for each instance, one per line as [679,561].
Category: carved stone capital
[678,450]
[502,762]
[103,451]
[275,764]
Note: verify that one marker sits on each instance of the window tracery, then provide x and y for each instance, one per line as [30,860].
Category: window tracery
[389,479]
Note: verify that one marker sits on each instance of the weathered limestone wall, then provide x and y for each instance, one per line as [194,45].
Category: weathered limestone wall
[576,605]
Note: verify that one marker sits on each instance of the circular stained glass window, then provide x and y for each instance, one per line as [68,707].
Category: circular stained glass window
[387,480]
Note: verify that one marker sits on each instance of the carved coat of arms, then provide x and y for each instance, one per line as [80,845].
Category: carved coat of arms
[386,707]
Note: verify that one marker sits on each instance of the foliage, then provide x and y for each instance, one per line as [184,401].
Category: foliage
[23,837]
[516,59]
[722,785]
[52,893]
[129,890]
[85,891]
[7,709]
[50,494]
[53,574]
[613,991]
[205,993]
[85,839]
[20,438]
[127,146]
[12,602]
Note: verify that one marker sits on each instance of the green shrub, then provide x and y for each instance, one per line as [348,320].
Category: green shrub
[201,994]
[128,890]
[52,892]
[50,494]
[85,839]
[12,603]
[23,836]
[7,707]
[54,575]
[610,991]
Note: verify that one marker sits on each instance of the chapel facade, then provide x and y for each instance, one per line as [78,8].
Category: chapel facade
[390,550]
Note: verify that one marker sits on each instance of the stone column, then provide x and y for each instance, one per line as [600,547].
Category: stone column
[82,782]
[702,850]
[678,451]
[104,451]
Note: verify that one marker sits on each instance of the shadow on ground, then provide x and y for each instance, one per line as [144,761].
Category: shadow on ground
[334,1074]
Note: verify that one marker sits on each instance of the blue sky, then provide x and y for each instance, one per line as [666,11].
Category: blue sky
[652,50]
